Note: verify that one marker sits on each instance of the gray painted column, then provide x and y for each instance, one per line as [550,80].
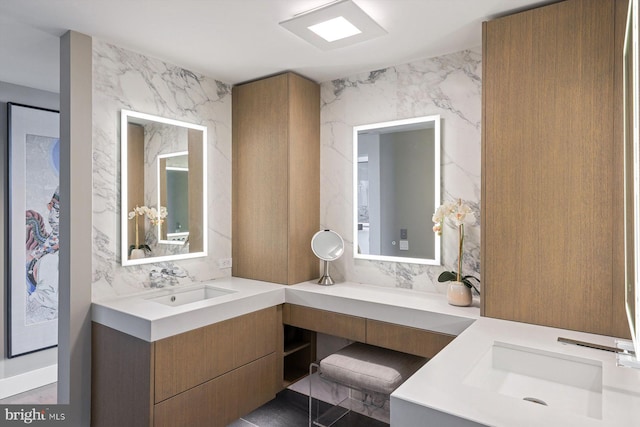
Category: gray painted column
[74,323]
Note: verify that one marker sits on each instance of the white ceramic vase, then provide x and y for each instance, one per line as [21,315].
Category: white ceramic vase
[136,254]
[459,294]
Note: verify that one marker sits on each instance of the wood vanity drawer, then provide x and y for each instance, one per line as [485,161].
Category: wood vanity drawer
[327,322]
[192,358]
[406,339]
[222,400]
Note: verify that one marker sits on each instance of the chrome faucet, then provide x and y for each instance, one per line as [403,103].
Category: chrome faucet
[596,346]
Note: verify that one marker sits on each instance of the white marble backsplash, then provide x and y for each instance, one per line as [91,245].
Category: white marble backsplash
[448,85]
[126,80]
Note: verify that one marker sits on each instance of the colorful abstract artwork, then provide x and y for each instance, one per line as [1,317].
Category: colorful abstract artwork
[34,164]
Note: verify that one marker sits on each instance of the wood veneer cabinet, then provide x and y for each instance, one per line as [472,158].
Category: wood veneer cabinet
[341,325]
[382,334]
[406,339]
[206,377]
[276,179]
[552,213]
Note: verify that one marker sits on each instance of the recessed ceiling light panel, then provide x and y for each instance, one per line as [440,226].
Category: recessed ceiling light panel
[335,29]
[335,25]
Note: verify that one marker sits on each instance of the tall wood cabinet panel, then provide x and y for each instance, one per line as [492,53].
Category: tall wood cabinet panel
[276,179]
[551,167]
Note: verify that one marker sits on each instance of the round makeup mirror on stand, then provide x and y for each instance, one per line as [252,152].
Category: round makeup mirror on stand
[328,246]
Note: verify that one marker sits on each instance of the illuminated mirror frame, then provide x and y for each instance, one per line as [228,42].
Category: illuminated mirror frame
[437,183]
[124,191]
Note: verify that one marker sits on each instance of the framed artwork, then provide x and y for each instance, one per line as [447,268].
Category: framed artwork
[34,205]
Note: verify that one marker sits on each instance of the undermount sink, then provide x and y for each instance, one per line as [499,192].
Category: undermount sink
[177,298]
[560,381]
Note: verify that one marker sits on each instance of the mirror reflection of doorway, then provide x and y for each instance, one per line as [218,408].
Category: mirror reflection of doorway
[177,201]
[174,194]
[363,204]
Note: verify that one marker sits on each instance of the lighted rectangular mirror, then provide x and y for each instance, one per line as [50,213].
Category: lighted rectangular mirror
[396,190]
[163,189]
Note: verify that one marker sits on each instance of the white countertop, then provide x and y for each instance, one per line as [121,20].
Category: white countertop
[440,387]
[150,321]
[439,392]
[405,307]
[138,316]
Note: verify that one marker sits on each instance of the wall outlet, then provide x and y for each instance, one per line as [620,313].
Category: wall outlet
[224,263]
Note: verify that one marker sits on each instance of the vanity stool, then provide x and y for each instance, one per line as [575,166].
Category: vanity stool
[374,372]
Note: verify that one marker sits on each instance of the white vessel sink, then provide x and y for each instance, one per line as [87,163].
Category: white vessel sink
[559,381]
[177,298]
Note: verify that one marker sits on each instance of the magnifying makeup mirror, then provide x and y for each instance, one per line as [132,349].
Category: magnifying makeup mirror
[328,246]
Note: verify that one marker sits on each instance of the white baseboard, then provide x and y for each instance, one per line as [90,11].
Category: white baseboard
[17,384]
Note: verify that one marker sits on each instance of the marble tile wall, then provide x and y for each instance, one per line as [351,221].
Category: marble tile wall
[448,85]
[126,80]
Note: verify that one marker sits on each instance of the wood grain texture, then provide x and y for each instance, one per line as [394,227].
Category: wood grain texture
[183,361]
[260,179]
[299,352]
[122,369]
[276,179]
[254,335]
[406,339]
[280,344]
[135,179]
[328,322]
[195,180]
[304,177]
[548,166]
[286,314]
[220,401]
[620,325]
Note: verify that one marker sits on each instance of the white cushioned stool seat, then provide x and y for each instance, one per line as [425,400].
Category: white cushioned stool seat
[369,367]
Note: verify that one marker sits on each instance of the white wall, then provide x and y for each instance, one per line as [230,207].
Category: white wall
[74,318]
[128,80]
[448,85]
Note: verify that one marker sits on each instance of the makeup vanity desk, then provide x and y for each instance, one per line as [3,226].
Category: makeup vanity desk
[412,322]
[403,307]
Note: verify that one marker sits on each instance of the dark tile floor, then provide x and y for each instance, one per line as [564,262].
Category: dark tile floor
[291,409]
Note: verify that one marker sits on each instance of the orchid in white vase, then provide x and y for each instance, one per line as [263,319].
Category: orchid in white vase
[456,214]
[155,217]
